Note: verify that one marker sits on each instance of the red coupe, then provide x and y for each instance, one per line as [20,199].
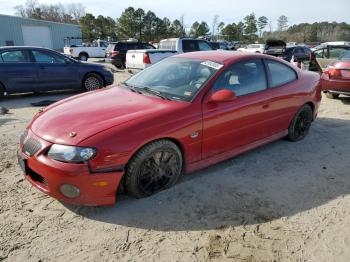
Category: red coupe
[182,114]
[336,79]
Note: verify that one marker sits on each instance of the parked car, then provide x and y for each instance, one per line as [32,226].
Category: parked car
[219,45]
[179,115]
[326,54]
[96,49]
[34,69]
[300,53]
[336,78]
[116,52]
[141,59]
[275,47]
[253,48]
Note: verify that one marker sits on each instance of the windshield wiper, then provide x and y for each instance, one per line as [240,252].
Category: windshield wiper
[155,92]
[132,88]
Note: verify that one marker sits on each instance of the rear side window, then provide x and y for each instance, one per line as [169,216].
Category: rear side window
[120,47]
[15,56]
[280,74]
[204,46]
[189,46]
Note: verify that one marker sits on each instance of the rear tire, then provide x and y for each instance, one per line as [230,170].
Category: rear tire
[155,167]
[83,57]
[331,95]
[300,125]
[92,82]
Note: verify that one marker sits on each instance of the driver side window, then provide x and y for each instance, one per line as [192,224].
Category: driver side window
[243,78]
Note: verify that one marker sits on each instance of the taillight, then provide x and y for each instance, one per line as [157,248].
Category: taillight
[114,53]
[333,72]
[146,59]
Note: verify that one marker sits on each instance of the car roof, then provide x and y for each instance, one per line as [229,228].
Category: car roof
[322,46]
[222,56]
[23,47]
[294,46]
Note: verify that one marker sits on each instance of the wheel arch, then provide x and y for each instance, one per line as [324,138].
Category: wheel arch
[312,105]
[83,53]
[171,139]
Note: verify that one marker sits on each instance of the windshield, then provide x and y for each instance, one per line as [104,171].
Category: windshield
[175,78]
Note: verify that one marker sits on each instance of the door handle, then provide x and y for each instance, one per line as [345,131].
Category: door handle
[266,106]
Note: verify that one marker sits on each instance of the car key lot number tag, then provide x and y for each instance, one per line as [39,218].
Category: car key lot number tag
[212,64]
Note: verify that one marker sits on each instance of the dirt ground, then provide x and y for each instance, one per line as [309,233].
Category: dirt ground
[281,202]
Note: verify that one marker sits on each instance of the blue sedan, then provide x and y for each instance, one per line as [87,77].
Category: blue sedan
[34,69]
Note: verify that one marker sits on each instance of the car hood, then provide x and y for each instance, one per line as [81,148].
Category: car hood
[74,119]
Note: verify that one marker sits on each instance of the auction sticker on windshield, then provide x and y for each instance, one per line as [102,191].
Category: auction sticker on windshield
[212,64]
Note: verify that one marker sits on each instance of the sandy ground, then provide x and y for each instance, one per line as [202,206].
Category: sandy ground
[281,202]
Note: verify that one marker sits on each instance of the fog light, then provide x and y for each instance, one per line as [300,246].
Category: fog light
[69,191]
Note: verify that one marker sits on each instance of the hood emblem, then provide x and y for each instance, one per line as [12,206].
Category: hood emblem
[72,134]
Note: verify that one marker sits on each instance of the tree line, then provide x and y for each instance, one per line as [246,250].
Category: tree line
[147,26]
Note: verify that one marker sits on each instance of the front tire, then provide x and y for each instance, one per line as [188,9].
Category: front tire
[300,125]
[92,82]
[2,91]
[331,95]
[155,167]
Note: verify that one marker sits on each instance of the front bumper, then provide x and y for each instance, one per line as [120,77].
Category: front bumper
[49,175]
[109,79]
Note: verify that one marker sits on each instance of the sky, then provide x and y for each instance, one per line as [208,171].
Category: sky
[297,11]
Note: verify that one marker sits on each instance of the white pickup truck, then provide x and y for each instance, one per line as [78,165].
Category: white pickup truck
[95,49]
[141,59]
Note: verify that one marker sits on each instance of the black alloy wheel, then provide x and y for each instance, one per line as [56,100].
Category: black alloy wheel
[92,82]
[156,167]
[301,123]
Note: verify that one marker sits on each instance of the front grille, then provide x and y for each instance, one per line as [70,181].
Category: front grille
[36,177]
[23,136]
[31,147]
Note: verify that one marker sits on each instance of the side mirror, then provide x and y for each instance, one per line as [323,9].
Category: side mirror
[223,95]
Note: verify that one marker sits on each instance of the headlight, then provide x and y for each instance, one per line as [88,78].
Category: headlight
[71,154]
